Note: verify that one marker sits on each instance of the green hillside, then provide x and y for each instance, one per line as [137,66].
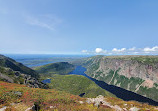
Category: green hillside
[16,97]
[14,72]
[55,68]
[15,66]
[77,84]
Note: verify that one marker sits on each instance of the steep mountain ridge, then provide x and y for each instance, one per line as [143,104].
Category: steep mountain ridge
[14,72]
[135,73]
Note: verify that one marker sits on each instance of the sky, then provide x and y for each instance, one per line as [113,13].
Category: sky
[110,27]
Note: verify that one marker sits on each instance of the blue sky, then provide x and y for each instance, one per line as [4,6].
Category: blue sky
[79,26]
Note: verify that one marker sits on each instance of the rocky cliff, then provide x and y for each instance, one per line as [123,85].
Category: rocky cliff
[14,72]
[135,73]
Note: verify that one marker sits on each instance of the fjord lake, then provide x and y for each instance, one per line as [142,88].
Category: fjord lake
[42,59]
[119,92]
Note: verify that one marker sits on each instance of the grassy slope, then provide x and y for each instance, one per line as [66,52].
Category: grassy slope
[43,97]
[77,84]
[55,68]
[59,101]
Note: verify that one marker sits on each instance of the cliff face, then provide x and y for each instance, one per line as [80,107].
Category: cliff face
[130,68]
[14,72]
[135,73]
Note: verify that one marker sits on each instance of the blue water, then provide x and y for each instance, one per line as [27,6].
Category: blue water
[32,60]
[46,81]
[119,92]
[79,70]
[40,56]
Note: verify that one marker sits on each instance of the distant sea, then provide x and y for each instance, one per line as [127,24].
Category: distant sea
[32,60]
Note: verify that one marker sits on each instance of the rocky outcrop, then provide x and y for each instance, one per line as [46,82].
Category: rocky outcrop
[14,72]
[16,66]
[6,78]
[101,101]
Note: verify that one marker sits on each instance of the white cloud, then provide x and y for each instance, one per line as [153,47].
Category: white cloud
[118,50]
[84,51]
[125,51]
[132,49]
[147,49]
[98,50]
[46,21]
[114,49]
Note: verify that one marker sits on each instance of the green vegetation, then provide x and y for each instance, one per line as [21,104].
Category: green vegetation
[77,84]
[20,98]
[55,68]
[149,92]
[59,98]
[149,60]
[130,84]
[92,64]
[24,97]
[122,81]
[9,75]
[110,76]
[14,72]
[15,66]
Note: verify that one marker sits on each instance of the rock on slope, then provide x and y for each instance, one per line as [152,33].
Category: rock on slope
[14,72]
[135,73]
